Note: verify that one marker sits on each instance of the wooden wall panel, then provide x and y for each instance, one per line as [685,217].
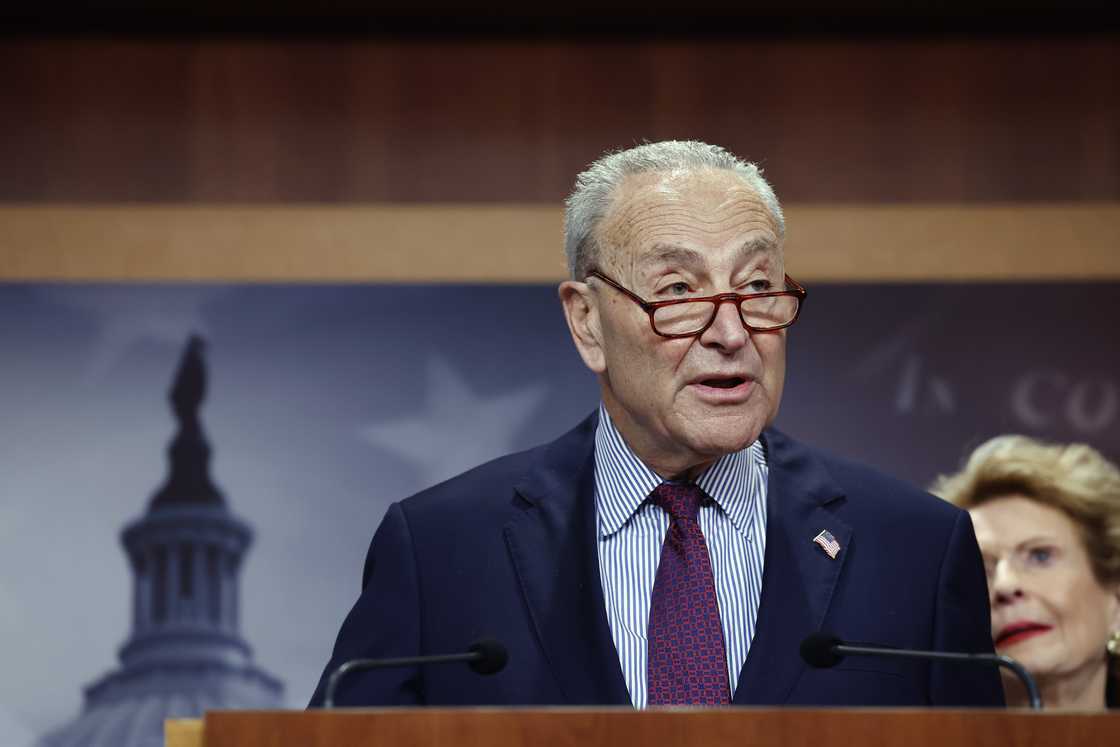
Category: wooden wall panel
[270,159]
[522,243]
[869,121]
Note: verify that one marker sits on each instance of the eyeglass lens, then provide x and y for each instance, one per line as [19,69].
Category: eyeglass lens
[770,312]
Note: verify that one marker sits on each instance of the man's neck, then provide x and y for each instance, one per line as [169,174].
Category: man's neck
[668,464]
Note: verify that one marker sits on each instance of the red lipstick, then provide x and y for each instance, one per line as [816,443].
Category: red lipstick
[1019,631]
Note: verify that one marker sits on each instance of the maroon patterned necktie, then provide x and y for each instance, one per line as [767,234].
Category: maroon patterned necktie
[687,660]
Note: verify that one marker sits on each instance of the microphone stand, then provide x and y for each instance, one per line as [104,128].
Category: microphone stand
[485,656]
[845,649]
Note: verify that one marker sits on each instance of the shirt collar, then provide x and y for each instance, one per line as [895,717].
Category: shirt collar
[735,481]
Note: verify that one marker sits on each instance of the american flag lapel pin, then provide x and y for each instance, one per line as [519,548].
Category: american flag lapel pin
[828,543]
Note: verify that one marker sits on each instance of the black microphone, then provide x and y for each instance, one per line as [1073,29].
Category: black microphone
[485,656]
[824,650]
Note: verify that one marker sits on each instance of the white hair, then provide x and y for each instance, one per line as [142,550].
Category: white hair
[595,188]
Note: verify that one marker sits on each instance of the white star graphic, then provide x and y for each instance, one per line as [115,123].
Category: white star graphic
[455,429]
[128,316]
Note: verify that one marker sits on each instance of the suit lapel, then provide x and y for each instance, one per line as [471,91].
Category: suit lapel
[553,546]
[798,576]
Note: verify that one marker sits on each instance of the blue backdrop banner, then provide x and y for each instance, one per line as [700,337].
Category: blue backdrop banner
[325,403]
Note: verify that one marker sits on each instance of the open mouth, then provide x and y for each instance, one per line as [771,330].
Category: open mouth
[724,383]
[1017,632]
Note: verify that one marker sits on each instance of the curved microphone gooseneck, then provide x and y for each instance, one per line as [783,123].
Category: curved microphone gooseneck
[823,650]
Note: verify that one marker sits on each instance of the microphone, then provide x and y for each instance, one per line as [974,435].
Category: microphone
[823,650]
[485,656]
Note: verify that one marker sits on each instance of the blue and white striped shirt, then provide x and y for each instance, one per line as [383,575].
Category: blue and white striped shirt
[632,530]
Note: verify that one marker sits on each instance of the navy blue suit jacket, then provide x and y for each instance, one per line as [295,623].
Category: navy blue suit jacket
[508,550]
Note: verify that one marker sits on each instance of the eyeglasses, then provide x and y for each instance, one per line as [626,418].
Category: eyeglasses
[688,317]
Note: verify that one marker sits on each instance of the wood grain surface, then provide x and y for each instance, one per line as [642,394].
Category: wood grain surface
[658,728]
[522,243]
[183,732]
[445,120]
[447,159]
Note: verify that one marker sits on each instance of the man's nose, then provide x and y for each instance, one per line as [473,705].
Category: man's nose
[1006,586]
[726,330]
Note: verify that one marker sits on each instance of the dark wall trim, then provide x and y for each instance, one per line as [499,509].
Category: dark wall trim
[428,18]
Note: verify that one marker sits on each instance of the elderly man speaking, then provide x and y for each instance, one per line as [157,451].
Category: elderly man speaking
[672,549]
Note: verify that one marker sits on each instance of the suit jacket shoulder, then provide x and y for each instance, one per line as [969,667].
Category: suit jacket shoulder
[505,551]
[908,575]
[483,500]
[876,492]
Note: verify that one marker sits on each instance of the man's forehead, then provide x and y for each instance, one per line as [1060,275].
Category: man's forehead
[754,249]
[678,217]
[638,197]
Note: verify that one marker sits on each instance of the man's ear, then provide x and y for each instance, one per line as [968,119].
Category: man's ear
[582,313]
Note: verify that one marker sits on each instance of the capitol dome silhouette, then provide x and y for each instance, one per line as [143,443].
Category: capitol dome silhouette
[185,654]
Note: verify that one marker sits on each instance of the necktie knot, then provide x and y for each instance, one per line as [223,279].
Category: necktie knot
[679,500]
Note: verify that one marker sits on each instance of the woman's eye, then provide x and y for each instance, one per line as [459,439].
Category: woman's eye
[762,285]
[1040,555]
[677,289]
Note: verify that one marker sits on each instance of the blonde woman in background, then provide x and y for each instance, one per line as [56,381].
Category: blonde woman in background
[1047,518]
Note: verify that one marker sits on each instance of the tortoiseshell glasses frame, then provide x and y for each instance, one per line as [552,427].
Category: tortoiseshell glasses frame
[781,308]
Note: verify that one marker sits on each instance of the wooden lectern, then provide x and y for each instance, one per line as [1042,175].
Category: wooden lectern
[624,727]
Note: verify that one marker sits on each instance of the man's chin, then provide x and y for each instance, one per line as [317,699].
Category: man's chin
[715,439]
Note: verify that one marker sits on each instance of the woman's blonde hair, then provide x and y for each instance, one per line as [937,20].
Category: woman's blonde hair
[1074,478]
